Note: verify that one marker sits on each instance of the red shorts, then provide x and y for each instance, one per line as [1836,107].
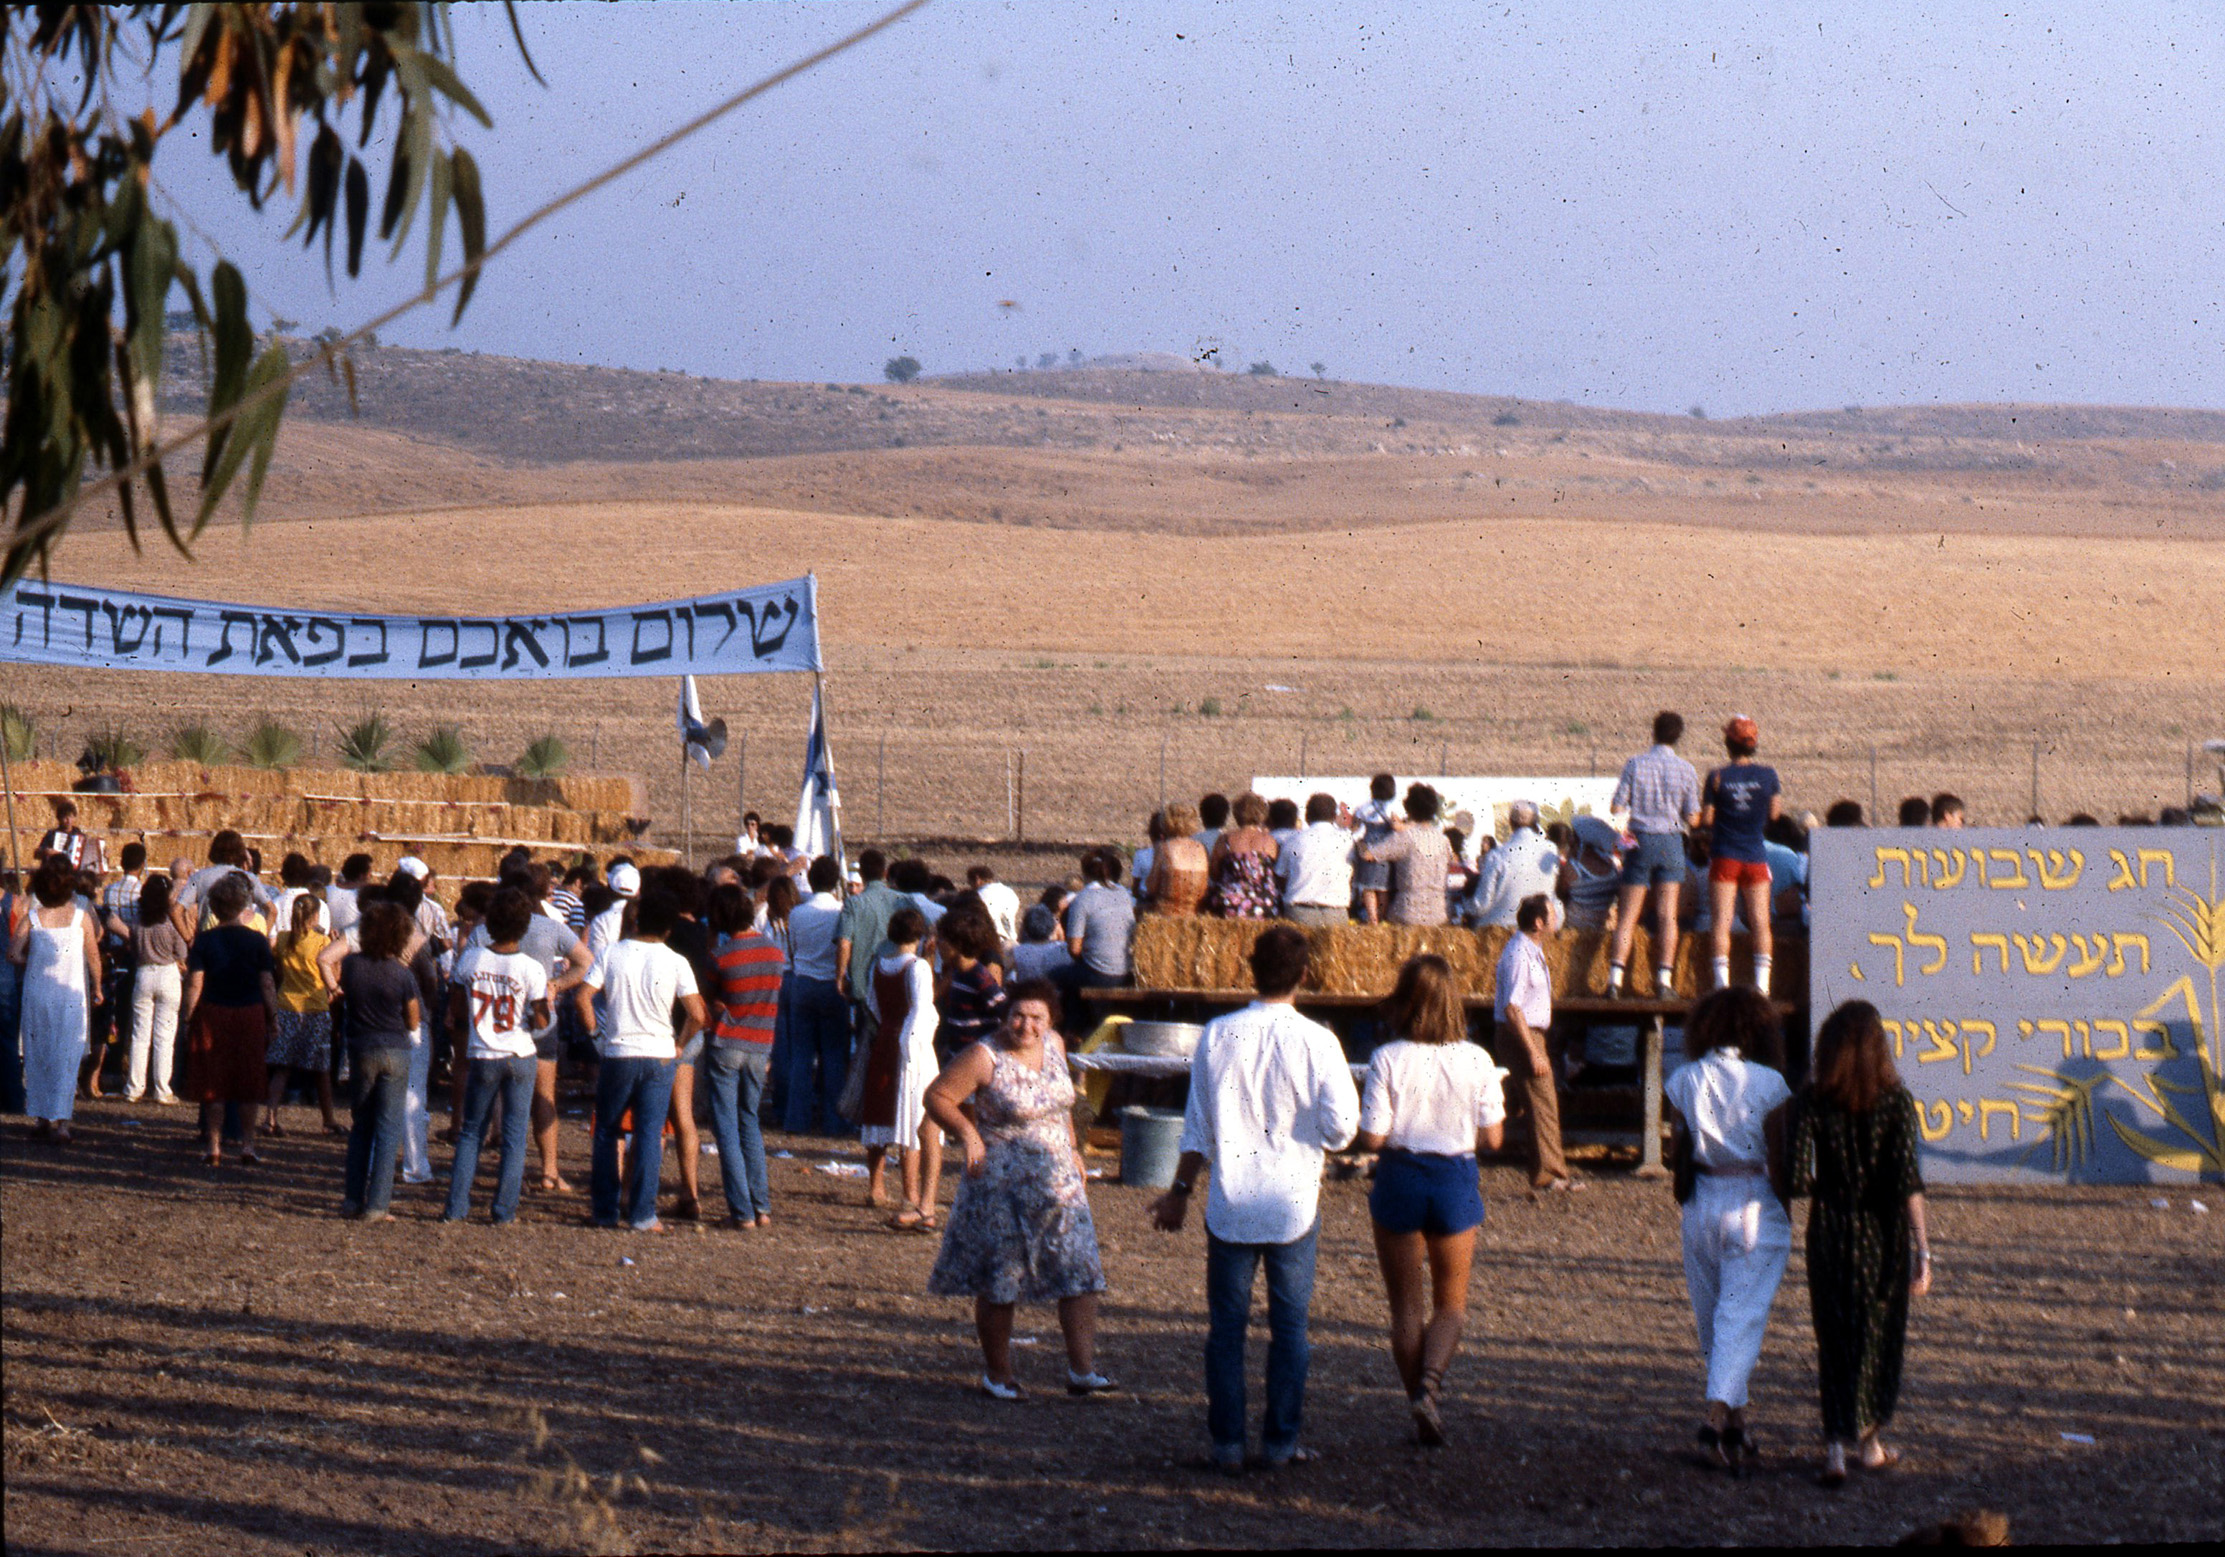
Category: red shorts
[1743,873]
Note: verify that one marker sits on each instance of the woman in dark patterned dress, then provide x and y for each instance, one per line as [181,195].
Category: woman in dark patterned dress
[1854,1155]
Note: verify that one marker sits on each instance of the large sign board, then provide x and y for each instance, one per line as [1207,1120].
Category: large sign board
[1486,799]
[771,627]
[2052,994]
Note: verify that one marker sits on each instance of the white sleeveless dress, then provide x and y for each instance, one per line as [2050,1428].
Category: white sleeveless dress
[54,1018]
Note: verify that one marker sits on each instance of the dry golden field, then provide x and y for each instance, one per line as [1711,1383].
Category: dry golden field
[1229,592]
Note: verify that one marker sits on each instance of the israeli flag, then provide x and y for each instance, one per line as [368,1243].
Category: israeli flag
[819,807]
[699,742]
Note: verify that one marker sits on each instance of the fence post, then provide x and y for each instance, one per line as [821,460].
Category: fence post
[1444,759]
[1020,801]
[741,788]
[595,747]
[1011,801]
[880,791]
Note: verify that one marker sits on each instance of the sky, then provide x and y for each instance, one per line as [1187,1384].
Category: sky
[1654,207]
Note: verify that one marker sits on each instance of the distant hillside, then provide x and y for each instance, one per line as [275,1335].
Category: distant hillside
[538,413]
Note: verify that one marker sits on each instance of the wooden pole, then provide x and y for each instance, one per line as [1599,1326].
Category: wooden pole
[1020,801]
[741,787]
[15,845]
[687,816]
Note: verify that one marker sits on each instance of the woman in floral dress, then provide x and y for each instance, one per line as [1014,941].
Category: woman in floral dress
[1020,1229]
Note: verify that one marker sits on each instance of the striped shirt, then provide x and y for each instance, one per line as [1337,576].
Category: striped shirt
[121,898]
[749,968]
[564,904]
[1659,790]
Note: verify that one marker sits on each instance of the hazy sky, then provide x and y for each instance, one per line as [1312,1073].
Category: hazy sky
[1651,206]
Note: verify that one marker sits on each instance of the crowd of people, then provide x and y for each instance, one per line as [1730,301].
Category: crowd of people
[908,1012]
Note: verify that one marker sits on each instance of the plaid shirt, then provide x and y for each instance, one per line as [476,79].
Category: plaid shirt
[1659,789]
[121,898]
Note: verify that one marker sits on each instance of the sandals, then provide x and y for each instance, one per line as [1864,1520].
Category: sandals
[1887,1458]
[1716,1446]
[555,1186]
[1090,1383]
[906,1220]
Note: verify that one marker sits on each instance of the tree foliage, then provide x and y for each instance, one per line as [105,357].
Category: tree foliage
[900,370]
[91,267]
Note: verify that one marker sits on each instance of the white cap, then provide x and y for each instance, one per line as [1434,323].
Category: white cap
[414,866]
[625,881]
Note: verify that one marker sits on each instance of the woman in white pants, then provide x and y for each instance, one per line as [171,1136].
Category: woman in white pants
[1729,1146]
[158,952]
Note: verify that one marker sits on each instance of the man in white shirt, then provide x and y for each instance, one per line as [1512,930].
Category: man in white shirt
[499,997]
[1523,996]
[1002,902]
[1521,868]
[818,1046]
[640,979]
[1270,1095]
[606,928]
[1316,868]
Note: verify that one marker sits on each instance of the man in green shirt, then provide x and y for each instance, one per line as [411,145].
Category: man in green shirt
[863,927]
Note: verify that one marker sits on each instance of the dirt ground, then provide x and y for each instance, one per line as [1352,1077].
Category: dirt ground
[197,1360]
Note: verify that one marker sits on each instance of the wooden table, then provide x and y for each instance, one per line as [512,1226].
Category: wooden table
[1651,1013]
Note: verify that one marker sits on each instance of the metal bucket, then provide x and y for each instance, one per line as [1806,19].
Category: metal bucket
[1150,1146]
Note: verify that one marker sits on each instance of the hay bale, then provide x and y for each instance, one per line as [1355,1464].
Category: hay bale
[1214,954]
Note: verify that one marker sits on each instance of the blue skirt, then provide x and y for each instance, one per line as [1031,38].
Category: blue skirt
[1425,1192]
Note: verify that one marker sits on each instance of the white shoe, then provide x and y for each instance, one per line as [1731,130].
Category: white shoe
[996,1391]
[167,1099]
[1090,1383]
[133,1097]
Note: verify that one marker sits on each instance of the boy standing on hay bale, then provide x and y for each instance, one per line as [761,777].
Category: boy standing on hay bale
[1661,792]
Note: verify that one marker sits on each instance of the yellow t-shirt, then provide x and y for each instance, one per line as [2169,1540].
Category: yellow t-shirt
[300,986]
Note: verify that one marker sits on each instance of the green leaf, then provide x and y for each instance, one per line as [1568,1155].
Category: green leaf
[359,210]
[436,216]
[150,263]
[417,141]
[471,222]
[235,344]
[436,69]
[255,432]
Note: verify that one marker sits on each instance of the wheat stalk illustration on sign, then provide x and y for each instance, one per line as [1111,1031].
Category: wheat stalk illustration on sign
[2063,1104]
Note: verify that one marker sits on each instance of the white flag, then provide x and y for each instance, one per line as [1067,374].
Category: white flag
[699,742]
[819,807]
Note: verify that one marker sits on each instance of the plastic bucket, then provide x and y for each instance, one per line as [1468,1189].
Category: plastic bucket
[1150,1146]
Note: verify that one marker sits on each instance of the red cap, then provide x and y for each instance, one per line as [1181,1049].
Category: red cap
[1743,731]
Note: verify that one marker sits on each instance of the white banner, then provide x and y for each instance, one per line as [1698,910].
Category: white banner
[771,627]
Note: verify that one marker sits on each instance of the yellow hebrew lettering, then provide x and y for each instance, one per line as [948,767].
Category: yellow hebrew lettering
[2117,963]
[2085,1038]
[2151,856]
[2162,1031]
[2053,1025]
[1899,955]
[2015,880]
[2123,1048]
[1975,1026]
[2055,875]
[1979,941]
[2023,1030]
[1922,862]
[1988,1107]
[1951,865]
[2123,878]
[1855,968]
[2034,948]
[1937,943]
[1978,858]
[2088,962]
[1962,1107]
[1945,1125]
[1941,1036]
[1883,855]
[2181,990]
[1893,1030]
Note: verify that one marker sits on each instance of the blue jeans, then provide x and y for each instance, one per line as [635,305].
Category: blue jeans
[645,1086]
[818,1056]
[512,1081]
[776,1086]
[375,1142]
[11,1039]
[737,1076]
[1229,1270]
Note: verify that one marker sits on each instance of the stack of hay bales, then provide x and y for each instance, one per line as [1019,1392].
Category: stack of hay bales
[1212,956]
[460,824]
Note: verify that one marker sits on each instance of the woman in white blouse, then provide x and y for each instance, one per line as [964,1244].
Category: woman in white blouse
[1728,1141]
[1432,1101]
